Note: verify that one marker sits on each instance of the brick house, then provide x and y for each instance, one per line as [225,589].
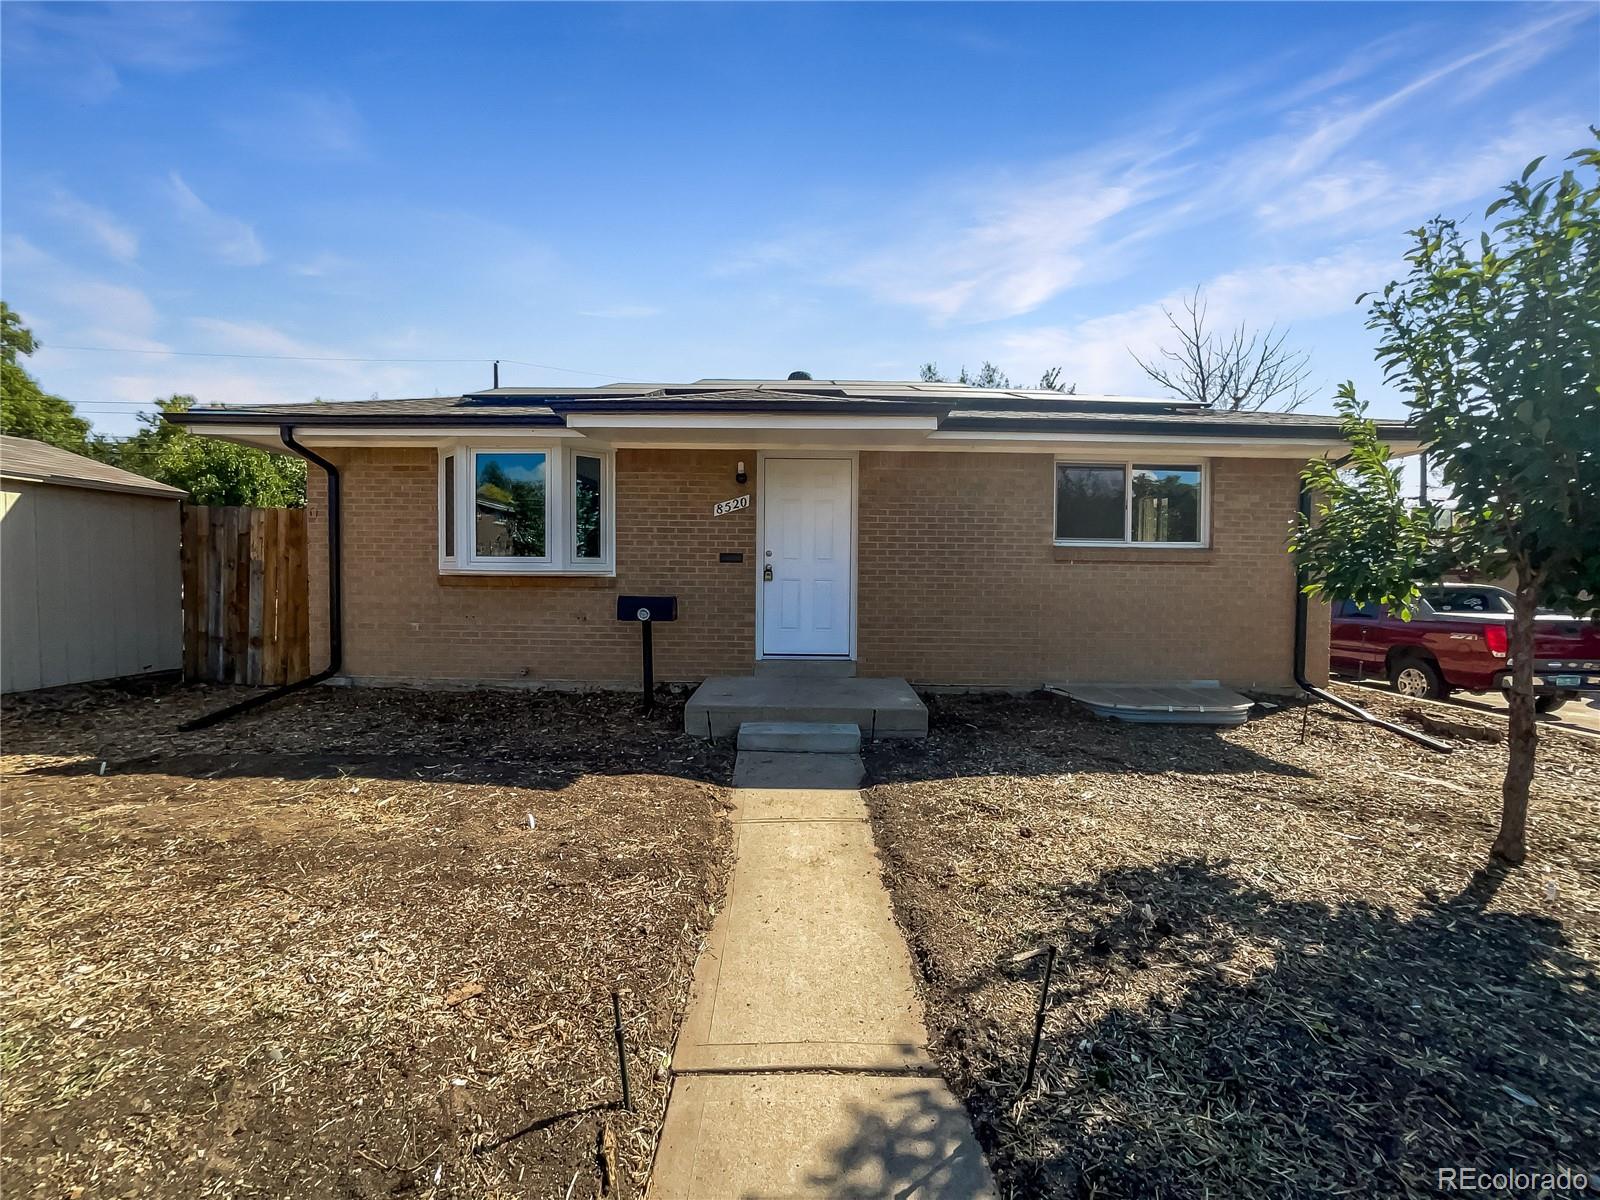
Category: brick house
[946,534]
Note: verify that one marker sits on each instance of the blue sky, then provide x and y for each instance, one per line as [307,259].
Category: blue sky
[666,192]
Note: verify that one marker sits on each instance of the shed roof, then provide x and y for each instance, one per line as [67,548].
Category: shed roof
[35,462]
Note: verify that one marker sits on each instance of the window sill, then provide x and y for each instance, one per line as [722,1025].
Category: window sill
[1148,554]
[460,577]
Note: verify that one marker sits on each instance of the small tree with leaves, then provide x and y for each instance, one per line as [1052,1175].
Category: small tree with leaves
[26,409]
[1496,345]
[210,470]
[1236,370]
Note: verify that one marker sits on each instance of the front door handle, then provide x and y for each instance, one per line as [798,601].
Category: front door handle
[767,573]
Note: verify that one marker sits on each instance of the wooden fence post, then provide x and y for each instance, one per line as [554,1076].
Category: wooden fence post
[244,604]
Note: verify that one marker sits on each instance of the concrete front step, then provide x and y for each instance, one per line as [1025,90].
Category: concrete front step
[815,668]
[880,708]
[800,737]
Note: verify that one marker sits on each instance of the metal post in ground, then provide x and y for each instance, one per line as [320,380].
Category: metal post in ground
[649,667]
[622,1048]
[1038,1020]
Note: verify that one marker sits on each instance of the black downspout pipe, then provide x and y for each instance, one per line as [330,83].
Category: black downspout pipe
[1302,604]
[335,599]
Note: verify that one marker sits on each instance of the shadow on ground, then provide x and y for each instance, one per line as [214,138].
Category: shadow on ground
[1207,1037]
[508,738]
[1045,734]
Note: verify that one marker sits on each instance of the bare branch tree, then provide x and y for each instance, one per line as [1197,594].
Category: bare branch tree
[1241,370]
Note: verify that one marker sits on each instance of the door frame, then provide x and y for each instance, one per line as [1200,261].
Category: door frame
[853,457]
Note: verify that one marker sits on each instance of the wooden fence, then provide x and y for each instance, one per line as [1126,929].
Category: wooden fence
[246,611]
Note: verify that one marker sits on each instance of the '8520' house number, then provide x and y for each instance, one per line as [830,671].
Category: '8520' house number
[723,507]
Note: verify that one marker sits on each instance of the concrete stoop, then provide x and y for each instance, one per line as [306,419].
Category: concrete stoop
[802,1067]
[800,737]
[879,708]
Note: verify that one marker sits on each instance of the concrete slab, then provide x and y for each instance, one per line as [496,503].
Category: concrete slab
[804,976]
[798,804]
[882,708]
[805,967]
[816,668]
[771,769]
[800,737]
[1160,703]
[814,1136]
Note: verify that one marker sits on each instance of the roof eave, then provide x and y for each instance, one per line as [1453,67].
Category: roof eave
[393,420]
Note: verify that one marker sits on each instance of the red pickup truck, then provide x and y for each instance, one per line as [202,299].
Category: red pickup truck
[1457,640]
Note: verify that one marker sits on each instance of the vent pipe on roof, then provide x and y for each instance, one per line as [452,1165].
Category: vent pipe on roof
[799,374]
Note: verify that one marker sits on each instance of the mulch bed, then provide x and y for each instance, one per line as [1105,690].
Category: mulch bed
[360,943]
[1286,968]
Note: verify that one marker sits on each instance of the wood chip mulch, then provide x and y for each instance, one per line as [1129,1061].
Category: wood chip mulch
[1287,968]
[361,943]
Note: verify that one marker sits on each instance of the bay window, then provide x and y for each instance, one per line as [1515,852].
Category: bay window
[1130,504]
[518,509]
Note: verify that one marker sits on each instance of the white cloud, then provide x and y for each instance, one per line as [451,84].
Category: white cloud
[1373,195]
[1007,246]
[88,47]
[622,312]
[228,239]
[1097,353]
[1522,48]
[315,125]
[322,265]
[96,224]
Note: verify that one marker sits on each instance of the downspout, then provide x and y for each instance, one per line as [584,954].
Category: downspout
[335,599]
[1302,604]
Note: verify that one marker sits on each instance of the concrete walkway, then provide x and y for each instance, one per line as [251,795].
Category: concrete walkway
[802,1069]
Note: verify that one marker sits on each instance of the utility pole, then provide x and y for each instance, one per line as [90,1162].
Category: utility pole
[497,374]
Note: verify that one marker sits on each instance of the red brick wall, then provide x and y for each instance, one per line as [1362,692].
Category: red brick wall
[958,580]
[404,620]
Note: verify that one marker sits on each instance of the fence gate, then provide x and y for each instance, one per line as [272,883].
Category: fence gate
[246,607]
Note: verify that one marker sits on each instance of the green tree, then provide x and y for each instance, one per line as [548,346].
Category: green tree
[26,409]
[991,376]
[1496,345]
[211,471]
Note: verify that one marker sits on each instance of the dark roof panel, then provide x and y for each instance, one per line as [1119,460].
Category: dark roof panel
[959,407]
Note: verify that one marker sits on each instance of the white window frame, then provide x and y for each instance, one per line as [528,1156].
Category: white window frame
[1129,465]
[560,483]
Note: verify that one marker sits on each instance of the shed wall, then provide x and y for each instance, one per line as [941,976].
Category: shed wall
[90,587]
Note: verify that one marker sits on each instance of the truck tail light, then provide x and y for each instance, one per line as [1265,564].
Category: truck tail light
[1495,637]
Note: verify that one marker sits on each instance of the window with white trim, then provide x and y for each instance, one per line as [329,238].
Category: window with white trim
[510,509]
[1130,504]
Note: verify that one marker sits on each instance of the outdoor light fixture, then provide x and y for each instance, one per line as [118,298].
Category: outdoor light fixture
[739,475]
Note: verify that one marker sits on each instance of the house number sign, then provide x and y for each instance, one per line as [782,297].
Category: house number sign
[723,507]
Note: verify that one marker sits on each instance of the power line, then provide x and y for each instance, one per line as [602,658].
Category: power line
[325,358]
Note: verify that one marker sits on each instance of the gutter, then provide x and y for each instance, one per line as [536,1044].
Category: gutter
[335,599]
[1302,604]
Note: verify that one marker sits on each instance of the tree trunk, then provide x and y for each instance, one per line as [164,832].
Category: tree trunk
[1511,844]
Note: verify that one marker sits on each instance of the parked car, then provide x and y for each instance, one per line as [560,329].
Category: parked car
[1458,639]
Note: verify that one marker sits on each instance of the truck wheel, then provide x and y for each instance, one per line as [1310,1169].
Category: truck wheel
[1417,678]
[1548,703]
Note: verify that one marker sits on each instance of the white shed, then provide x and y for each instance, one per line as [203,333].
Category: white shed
[90,579]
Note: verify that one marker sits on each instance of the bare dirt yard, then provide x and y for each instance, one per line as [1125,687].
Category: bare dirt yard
[360,943]
[1285,969]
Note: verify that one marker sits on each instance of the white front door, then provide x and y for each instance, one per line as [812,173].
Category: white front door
[806,588]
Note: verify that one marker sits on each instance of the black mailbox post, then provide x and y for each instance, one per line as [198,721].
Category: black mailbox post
[647,610]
